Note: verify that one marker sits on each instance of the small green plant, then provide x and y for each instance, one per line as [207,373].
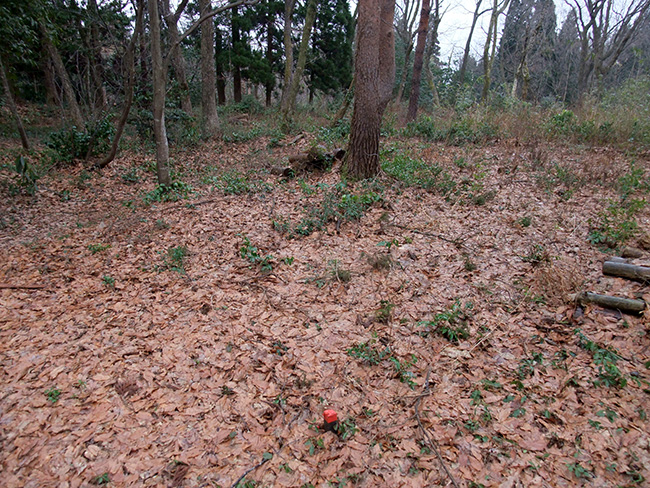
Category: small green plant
[227,391]
[252,254]
[347,428]
[108,281]
[609,375]
[175,259]
[402,370]
[102,479]
[385,311]
[27,175]
[368,353]
[617,223]
[314,444]
[525,221]
[172,193]
[72,143]
[53,394]
[580,471]
[527,365]
[95,248]
[131,176]
[160,224]
[452,323]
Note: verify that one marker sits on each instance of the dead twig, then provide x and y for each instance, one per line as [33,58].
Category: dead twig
[432,442]
[250,470]
[458,242]
[7,286]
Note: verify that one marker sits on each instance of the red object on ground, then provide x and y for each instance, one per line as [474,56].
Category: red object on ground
[330,416]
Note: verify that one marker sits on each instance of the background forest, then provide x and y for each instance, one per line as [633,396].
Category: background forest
[194,268]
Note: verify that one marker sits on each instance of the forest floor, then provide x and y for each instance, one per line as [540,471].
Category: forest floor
[191,342]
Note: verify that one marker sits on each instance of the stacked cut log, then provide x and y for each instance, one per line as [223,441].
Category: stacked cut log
[621,268]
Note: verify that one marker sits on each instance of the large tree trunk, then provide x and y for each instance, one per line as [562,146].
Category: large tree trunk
[375,74]
[288,50]
[221,76]
[159,83]
[129,67]
[75,111]
[432,38]
[290,101]
[236,69]
[417,61]
[269,54]
[178,61]
[208,75]
[12,106]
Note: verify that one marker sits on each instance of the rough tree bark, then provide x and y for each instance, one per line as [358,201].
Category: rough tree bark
[12,106]
[417,61]
[432,38]
[375,74]
[209,113]
[288,50]
[95,57]
[68,90]
[489,49]
[178,61]
[236,69]
[468,44]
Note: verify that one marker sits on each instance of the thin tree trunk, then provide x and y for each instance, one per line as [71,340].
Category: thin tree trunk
[159,82]
[221,76]
[402,81]
[129,65]
[178,61]
[428,51]
[417,61]
[340,113]
[75,111]
[51,91]
[236,69]
[288,50]
[269,55]
[208,75]
[375,74]
[468,44]
[310,17]
[12,106]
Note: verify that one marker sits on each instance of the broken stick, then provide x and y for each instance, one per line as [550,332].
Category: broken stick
[627,305]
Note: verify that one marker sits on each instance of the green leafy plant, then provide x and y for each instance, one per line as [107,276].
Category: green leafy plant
[314,444]
[605,357]
[95,248]
[27,175]
[617,223]
[102,479]
[402,369]
[172,193]
[580,471]
[527,365]
[337,273]
[368,353]
[175,259]
[53,394]
[347,428]
[252,254]
[536,255]
[450,324]
[108,281]
[385,311]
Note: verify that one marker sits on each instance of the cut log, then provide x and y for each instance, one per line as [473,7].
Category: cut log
[316,159]
[625,270]
[626,305]
[631,252]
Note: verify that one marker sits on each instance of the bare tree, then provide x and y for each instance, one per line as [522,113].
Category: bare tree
[605,28]
[289,5]
[374,77]
[407,11]
[432,40]
[463,67]
[489,50]
[296,77]
[417,61]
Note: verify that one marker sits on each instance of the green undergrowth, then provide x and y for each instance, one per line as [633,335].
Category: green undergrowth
[339,204]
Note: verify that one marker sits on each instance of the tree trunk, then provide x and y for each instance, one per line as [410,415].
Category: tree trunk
[12,106]
[129,66]
[221,76]
[375,74]
[236,69]
[468,44]
[290,102]
[638,273]
[288,50]
[417,61]
[75,111]
[208,74]
[95,57]
[269,55]
[178,61]
[159,83]
[627,305]
[340,113]
[402,80]
[51,91]
[428,51]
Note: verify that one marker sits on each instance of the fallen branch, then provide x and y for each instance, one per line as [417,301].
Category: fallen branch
[432,442]
[456,242]
[622,304]
[625,270]
[7,286]
[250,470]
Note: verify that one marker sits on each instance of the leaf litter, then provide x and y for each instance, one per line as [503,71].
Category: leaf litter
[198,373]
